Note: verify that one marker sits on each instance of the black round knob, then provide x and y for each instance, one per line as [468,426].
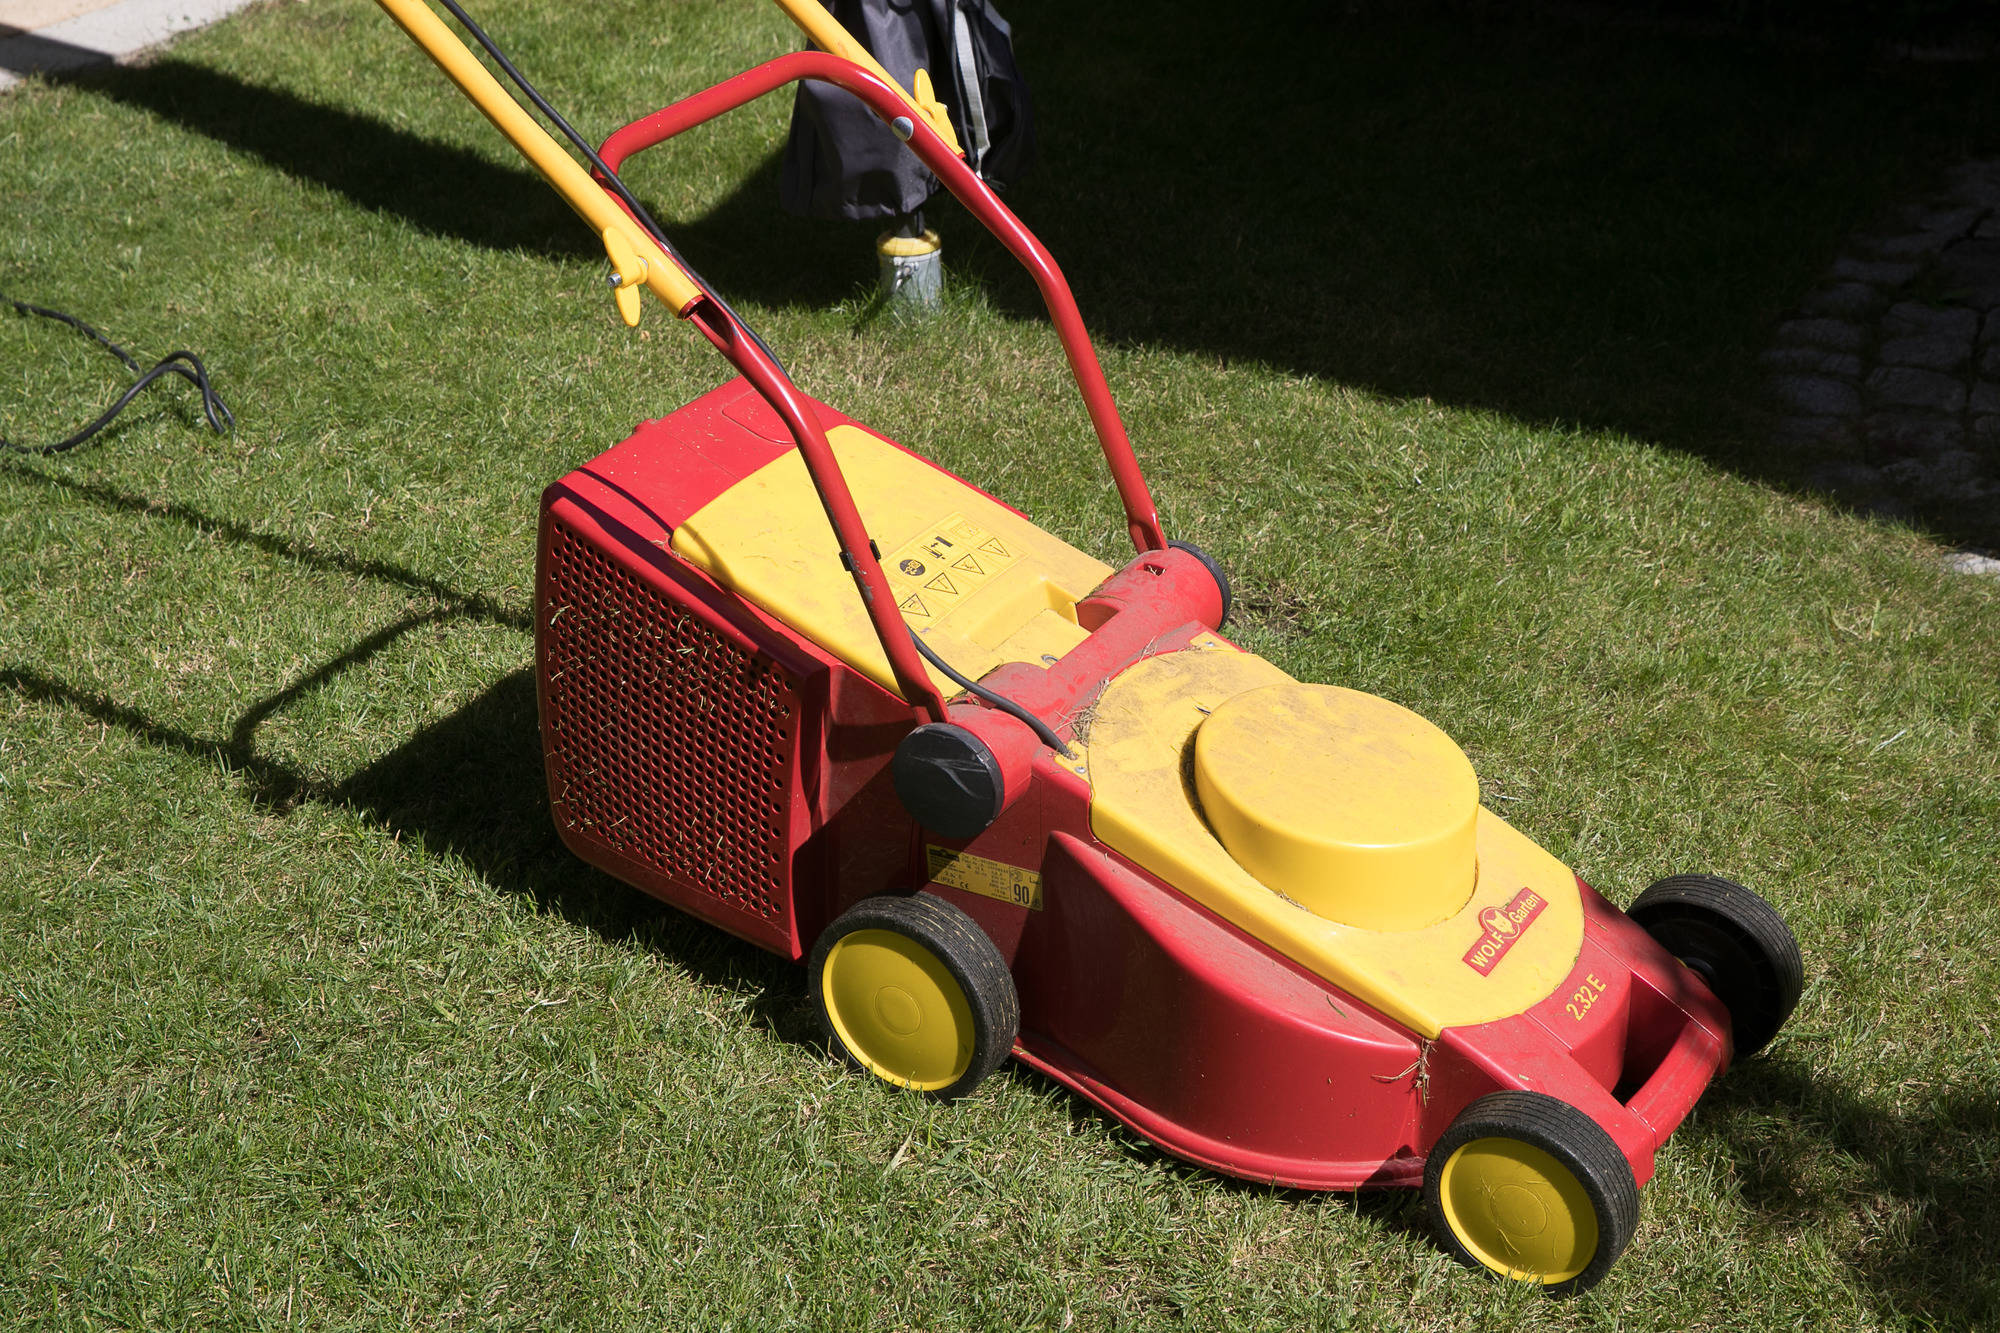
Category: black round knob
[949,780]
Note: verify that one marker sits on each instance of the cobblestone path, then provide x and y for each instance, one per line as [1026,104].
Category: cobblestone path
[1888,374]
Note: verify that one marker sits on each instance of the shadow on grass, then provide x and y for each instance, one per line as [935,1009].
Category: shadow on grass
[1926,1248]
[469,786]
[472,785]
[1569,222]
[443,190]
[451,192]
[454,602]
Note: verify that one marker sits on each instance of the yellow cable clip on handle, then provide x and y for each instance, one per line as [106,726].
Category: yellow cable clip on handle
[636,258]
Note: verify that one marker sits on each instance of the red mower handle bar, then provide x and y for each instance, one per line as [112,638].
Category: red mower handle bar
[1141,518]
[857,552]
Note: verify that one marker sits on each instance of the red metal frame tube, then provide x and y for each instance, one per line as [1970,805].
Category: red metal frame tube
[1141,516]
[834,496]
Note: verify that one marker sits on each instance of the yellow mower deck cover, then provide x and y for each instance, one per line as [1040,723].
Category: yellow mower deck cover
[979,582]
[1145,806]
[1353,806]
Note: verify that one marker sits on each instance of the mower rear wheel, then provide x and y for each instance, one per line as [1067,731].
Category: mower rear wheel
[1530,1187]
[1735,942]
[911,990]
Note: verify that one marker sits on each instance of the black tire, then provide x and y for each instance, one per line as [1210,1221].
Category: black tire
[1736,943]
[911,990]
[1214,569]
[1504,1209]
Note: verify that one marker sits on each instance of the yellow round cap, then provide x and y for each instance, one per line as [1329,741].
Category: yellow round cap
[1354,807]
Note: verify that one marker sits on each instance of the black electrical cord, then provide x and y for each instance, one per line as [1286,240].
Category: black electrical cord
[999,701]
[606,175]
[183,363]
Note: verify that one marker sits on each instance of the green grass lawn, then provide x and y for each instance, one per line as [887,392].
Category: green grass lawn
[1440,335]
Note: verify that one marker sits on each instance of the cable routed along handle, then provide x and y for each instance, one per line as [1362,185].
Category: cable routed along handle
[636,257]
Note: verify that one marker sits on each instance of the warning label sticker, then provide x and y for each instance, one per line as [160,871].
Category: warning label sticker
[988,879]
[943,565]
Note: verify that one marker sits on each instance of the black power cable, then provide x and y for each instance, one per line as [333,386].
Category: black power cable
[999,701]
[183,363]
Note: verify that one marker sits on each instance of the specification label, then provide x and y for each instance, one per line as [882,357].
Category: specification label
[988,879]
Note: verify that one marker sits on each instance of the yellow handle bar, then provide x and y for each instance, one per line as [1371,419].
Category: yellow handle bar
[635,256]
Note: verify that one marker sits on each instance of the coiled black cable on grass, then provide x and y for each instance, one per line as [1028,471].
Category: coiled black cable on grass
[182,363]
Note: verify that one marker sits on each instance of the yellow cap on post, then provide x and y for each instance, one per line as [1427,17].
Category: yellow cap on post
[1354,807]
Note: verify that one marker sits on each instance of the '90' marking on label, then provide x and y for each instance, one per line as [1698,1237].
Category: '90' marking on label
[988,879]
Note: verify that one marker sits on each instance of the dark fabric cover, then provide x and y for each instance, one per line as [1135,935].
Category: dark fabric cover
[841,162]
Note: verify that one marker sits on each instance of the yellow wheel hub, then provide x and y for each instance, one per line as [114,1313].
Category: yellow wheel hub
[898,1010]
[1354,807]
[1518,1210]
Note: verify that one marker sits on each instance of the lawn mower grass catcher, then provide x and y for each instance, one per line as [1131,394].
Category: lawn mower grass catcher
[1002,798]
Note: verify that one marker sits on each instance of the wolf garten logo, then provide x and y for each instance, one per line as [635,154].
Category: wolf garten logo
[1503,925]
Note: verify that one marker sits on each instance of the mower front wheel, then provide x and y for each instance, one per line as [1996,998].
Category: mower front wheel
[1530,1187]
[911,990]
[1735,942]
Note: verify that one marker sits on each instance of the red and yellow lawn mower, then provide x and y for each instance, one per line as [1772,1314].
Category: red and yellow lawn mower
[1003,798]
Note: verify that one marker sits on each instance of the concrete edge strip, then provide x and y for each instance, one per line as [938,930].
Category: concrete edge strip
[111,33]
